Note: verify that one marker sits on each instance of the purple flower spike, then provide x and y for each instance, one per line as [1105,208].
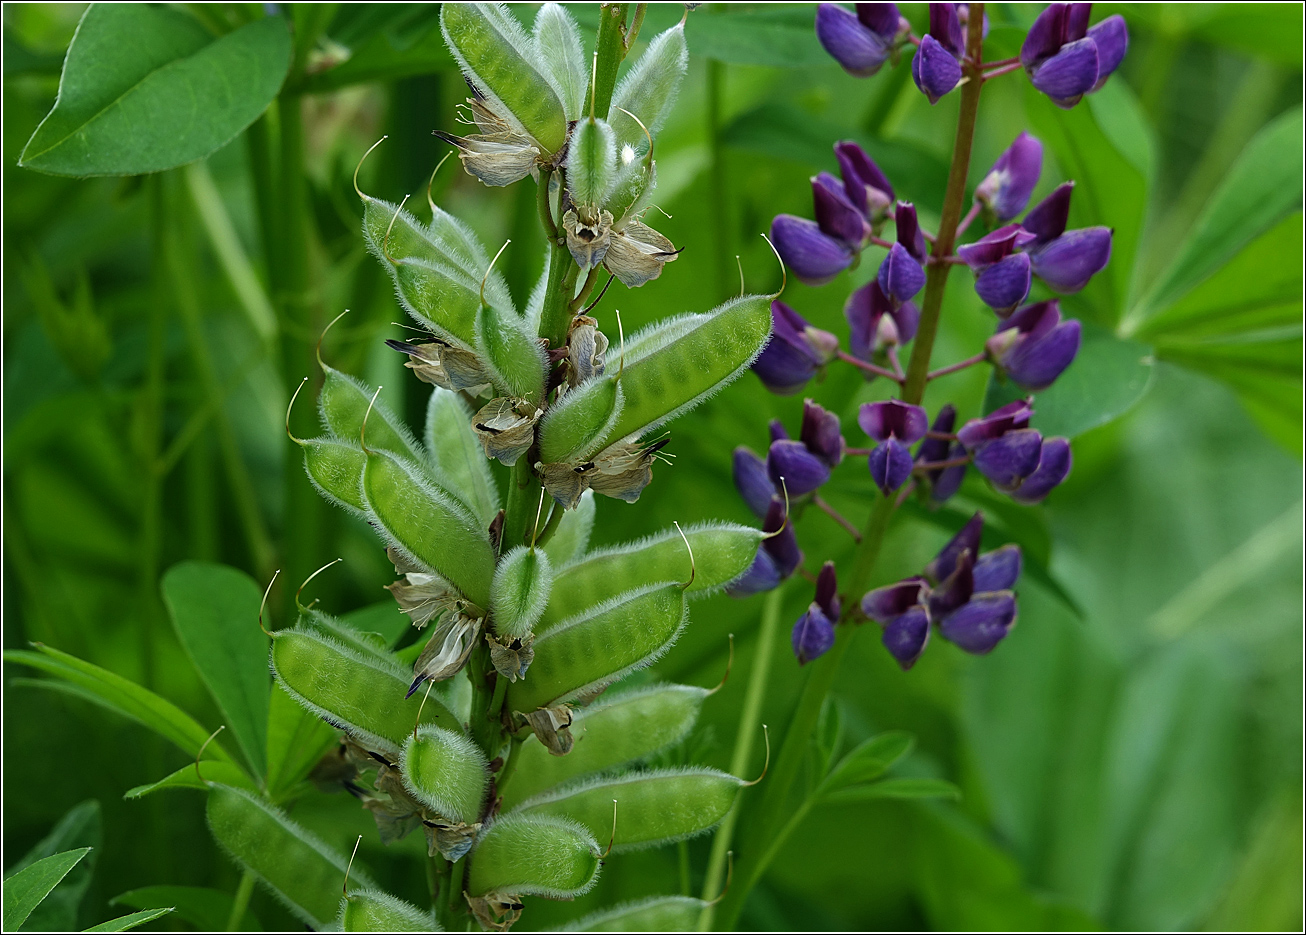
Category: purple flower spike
[1008,460]
[794,353]
[1012,416]
[802,471]
[909,230]
[762,575]
[835,214]
[981,624]
[997,570]
[861,49]
[900,276]
[954,590]
[752,481]
[874,323]
[821,434]
[815,257]
[890,465]
[1035,346]
[945,26]
[827,591]
[1006,189]
[1112,38]
[893,418]
[866,186]
[1070,261]
[906,636]
[1047,219]
[967,539]
[883,604]
[1005,284]
[1053,467]
[813,635]
[934,69]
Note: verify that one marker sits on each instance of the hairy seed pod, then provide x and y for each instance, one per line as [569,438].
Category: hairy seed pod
[557,38]
[535,856]
[344,403]
[572,537]
[591,162]
[499,58]
[336,469]
[375,911]
[654,807]
[622,729]
[362,641]
[428,524]
[454,449]
[446,772]
[596,648]
[659,334]
[299,869]
[722,552]
[515,355]
[655,914]
[649,89]
[691,367]
[519,591]
[575,426]
[355,691]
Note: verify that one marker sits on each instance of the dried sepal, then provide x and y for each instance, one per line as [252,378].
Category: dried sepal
[451,840]
[446,366]
[496,912]
[447,650]
[589,237]
[552,725]
[506,427]
[512,657]
[587,349]
[637,253]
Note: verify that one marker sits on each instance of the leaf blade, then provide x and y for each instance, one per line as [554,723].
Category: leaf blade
[24,890]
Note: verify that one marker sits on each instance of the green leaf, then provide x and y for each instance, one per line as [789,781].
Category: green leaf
[1108,377]
[297,739]
[79,827]
[187,778]
[206,909]
[24,891]
[214,609]
[784,38]
[130,921]
[123,696]
[896,789]
[1263,185]
[867,761]
[1265,894]
[146,88]
[409,44]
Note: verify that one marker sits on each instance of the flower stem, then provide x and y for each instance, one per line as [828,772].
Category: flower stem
[953,368]
[971,215]
[240,902]
[869,368]
[838,518]
[940,465]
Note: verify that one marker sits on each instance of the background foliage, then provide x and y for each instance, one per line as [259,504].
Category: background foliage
[1130,757]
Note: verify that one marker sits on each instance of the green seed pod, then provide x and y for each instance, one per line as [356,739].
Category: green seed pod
[591,162]
[691,367]
[355,691]
[661,333]
[498,57]
[453,448]
[572,537]
[653,807]
[722,552]
[361,641]
[336,469]
[655,914]
[515,355]
[558,40]
[437,293]
[446,772]
[574,427]
[299,869]
[428,524]
[375,911]
[623,729]
[519,591]
[535,856]
[595,649]
[649,89]
[344,404]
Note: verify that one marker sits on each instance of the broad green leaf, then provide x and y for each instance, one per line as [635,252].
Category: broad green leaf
[206,909]
[129,921]
[1263,185]
[1108,377]
[79,827]
[125,697]
[24,890]
[407,43]
[897,789]
[868,761]
[297,739]
[146,88]
[784,38]
[187,777]
[214,610]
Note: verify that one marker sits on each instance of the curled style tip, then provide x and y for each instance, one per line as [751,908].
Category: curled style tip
[621,333]
[385,242]
[431,181]
[293,397]
[490,268]
[322,337]
[648,135]
[360,165]
[766,738]
[613,839]
[429,685]
[362,429]
[693,567]
[203,747]
[739,263]
[784,274]
[264,603]
[344,887]
[301,607]
[730,664]
[730,876]
[785,522]
[535,530]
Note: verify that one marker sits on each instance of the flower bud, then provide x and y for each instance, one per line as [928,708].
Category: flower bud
[884,604]
[752,481]
[999,569]
[813,634]
[906,636]
[814,256]
[794,353]
[909,231]
[893,418]
[820,433]
[1112,39]
[860,42]
[1008,460]
[1047,219]
[1069,262]
[801,471]
[1014,415]
[1065,59]
[935,70]
[955,590]
[967,539]
[1053,467]
[865,185]
[944,482]
[835,214]
[900,276]
[980,624]
[1006,189]
[1034,346]
[876,323]
[890,465]
[827,591]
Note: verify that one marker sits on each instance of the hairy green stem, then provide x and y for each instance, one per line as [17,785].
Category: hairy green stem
[757,848]
[240,902]
[611,48]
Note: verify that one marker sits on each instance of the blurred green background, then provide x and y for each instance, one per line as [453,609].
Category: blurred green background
[1129,758]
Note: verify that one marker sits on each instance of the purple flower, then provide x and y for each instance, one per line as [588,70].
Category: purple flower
[1034,346]
[802,471]
[814,632]
[795,352]
[1065,59]
[814,256]
[980,624]
[895,425]
[946,27]
[1053,467]
[835,214]
[1002,276]
[900,276]
[1012,416]
[944,482]
[1006,189]
[906,636]
[1047,219]
[955,590]
[865,185]
[884,604]
[967,539]
[776,560]
[820,432]
[827,591]
[875,323]
[1112,38]
[935,70]
[776,429]
[861,43]
[762,575]
[909,231]
[1070,261]
[752,481]
[1008,460]
[997,570]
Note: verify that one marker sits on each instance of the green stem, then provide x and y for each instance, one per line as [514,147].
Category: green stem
[550,526]
[750,720]
[555,318]
[240,902]
[756,848]
[523,502]
[611,48]
[544,208]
